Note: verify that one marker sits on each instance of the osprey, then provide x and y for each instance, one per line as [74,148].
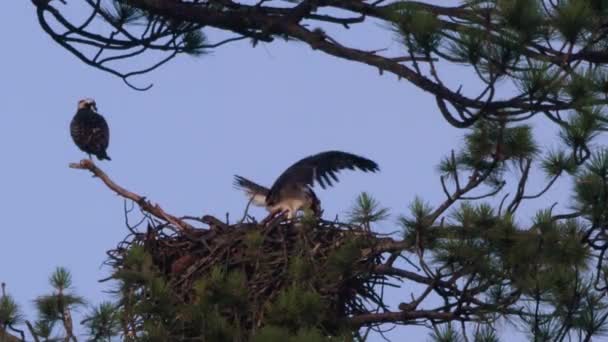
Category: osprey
[292,191]
[90,130]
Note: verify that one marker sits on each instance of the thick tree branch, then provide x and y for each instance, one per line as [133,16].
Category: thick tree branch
[398,317]
[145,205]
[265,23]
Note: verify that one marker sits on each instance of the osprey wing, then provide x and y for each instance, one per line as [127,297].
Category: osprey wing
[100,136]
[255,191]
[101,131]
[323,168]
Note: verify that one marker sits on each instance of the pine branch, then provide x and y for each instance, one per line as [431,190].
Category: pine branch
[398,317]
[177,22]
[144,204]
[6,337]
[32,331]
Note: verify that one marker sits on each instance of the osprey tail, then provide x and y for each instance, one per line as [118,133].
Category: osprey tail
[103,155]
[255,191]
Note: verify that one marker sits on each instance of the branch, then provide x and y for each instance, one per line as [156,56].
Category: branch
[6,337]
[393,271]
[393,317]
[144,204]
[32,331]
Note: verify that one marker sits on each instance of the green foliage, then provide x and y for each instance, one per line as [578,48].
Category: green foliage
[589,319]
[223,303]
[547,256]
[490,140]
[485,333]
[137,258]
[254,240]
[490,147]
[223,289]
[155,331]
[556,162]
[10,313]
[478,241]
[499,57]
[471,246]
[591,181]
[44,329]
[470,217]
[216,293]
[300,270]
[209,323]
[581,128]
[598,164]
[61,279]
[580,89]
[448,166]
[539,80]
[573,19]
[419,29]
[159,299]
[121,12]
[51,307]
[278,334]
[138,267]
[341,262]
[272,333]
[544,330]
[519,142]
[599,77]
[415,225]
[367,210]
[154,301]
[591,189]
[194,41]
[599,7]
[296,308]
[523,16]
[309,335]
[468,47]
[309,218]
[567,249]
[55,309]
[103,322]
[419,209]
[553,53]
[445,333]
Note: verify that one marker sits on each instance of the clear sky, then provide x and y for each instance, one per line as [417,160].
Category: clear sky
[251,111]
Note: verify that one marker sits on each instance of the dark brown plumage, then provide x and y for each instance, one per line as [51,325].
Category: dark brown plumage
[292,191]
[90,130]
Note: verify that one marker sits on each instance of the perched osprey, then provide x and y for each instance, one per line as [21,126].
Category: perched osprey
[90,130]
[292,191]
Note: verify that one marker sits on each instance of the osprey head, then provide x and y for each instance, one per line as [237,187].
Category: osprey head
[87,103]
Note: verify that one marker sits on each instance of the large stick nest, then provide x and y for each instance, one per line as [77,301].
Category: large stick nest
[333,259]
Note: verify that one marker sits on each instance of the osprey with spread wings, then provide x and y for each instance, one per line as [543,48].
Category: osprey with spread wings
[292,191]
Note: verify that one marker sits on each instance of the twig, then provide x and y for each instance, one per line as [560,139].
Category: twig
[246,211]
[32,331]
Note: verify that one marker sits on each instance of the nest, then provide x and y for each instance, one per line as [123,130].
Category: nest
[334,260]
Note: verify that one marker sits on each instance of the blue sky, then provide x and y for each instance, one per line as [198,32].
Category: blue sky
[243,110]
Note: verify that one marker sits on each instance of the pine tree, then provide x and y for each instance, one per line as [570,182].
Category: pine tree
[473,260]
